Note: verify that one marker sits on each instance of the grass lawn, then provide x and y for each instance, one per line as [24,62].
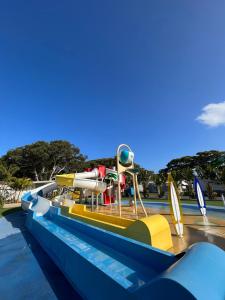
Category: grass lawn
[6,211]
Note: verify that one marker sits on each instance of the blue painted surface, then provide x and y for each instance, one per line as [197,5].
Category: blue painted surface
[32,195]
[125,268]
[201,270]
[26,271]
[103,265]
[27,196]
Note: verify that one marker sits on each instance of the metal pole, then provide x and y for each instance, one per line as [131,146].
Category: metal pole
[110,194]
[92,201]
[120,172]
[119,195]
[135,197]
[139,197]
[97,202]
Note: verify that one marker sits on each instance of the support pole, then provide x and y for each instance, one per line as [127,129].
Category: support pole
[110,194]
[97,202]
[92,201]
[139,197]
[135,197]
[119,195]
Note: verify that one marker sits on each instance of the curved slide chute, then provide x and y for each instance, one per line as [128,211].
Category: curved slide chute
[81,180]
[41,206]
[29,198]
[83,175]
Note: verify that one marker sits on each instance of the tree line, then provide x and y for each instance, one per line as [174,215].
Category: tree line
[38,161]
[208,165]
[44,160]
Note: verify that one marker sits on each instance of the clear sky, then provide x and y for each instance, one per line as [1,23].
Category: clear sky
[100,73]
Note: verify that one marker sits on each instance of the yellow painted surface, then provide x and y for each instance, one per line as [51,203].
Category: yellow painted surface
[65,179]
[153,230]
[79,208]
[75,195]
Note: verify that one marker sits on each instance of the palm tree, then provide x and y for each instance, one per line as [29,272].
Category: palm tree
[6,174]
[19,184]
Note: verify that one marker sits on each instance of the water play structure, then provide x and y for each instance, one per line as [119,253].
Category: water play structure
[175,206]
[154,230]
[107,182]
[94,181]
[111,257]
[100,264]
[125,164]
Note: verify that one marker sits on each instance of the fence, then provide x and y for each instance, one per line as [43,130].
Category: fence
[9,195]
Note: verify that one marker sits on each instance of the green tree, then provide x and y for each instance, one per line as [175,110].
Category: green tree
[6,174]
[208,164]
[209,190]
[19,184]
[144,177]
[159,180]
[64,157]
[107,162]
[43,160]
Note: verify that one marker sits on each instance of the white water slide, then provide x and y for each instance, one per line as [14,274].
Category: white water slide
[35,200]
[82,180]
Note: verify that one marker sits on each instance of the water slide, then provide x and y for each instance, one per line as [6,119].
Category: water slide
[104,265]
[29,198]
[82,180]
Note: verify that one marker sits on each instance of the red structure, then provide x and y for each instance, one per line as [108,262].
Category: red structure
[109,195]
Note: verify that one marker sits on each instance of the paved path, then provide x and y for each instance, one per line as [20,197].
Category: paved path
[12,205]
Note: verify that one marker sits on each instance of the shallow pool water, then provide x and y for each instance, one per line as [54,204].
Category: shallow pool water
[187,209]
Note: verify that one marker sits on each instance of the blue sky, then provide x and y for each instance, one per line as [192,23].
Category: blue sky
[100,73]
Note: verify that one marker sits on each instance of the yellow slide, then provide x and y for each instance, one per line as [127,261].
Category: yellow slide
[153,230]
